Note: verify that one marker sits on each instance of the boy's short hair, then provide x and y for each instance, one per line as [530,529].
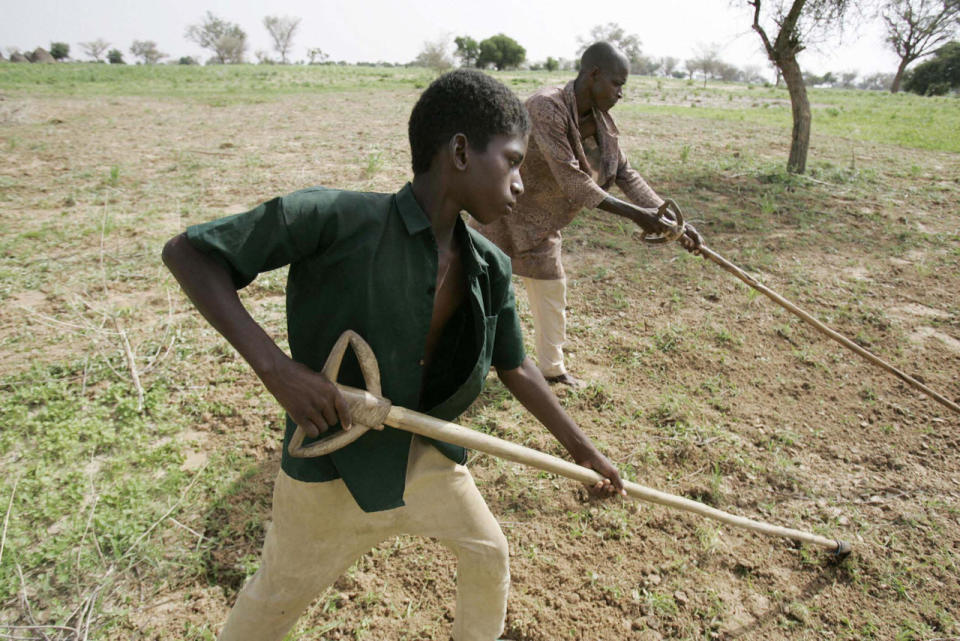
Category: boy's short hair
[464,101]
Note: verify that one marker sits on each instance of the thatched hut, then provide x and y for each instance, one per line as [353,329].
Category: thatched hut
[40,55]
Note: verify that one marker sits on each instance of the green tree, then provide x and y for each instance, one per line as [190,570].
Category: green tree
[706,62]
[95,48]
[468,50]
[552,64]
[115,57]
[59,50]
[916,27]
[316,55]
[147,51]
[668,64]
[226,40]
[501,51]
[938,75]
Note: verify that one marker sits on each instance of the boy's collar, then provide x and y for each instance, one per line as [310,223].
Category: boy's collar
[416,221]
[414,218]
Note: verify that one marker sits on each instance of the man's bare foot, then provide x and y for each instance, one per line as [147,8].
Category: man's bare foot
[566,379]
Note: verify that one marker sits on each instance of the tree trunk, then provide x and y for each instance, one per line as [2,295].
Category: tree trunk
[800,107]
[895,87]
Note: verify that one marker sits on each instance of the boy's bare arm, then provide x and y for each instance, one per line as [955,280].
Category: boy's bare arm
[527,384]
[310,398]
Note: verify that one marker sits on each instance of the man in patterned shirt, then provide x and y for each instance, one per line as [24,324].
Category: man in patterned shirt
[573,158]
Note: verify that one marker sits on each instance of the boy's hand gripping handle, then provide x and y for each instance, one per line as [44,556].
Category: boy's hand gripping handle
[367,408]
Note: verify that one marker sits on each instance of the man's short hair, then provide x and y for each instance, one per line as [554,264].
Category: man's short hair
[603,55]
[464,101]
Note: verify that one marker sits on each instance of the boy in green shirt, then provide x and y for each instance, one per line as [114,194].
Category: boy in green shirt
[435,302]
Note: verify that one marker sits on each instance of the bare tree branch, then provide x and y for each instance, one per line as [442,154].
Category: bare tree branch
[282,30]
[916,28]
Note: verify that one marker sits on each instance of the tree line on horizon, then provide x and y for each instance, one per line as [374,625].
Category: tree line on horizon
[227,42]
[915,29]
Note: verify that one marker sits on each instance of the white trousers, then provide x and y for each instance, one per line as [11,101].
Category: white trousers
[548,304]
[318,532]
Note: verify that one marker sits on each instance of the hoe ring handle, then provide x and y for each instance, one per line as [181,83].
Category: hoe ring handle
[367,408]
[669,215]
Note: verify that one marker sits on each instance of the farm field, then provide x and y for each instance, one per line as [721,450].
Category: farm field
[138,514]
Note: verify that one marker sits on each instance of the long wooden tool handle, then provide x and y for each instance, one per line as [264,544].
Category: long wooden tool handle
[452,433]
[840,338]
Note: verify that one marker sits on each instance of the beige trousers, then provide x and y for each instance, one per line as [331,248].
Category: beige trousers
[548,304]
[318,532]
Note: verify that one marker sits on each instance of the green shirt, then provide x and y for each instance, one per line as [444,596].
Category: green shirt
[368,262]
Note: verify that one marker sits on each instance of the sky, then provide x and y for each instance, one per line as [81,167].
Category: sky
[386,30]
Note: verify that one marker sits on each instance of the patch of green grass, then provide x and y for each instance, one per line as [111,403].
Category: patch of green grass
[668,339]
[662,604]
[215,85]
[901,119]
[90,479]
[676,417]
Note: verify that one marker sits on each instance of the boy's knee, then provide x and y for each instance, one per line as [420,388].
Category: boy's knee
[492,554]
[498,555]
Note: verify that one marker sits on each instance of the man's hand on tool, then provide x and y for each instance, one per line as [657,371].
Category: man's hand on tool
[691,239]
[611,485]
[311,400]
[652,220]
[648,220]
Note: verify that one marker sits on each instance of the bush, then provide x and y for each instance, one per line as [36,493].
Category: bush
[434,56]
[501,51]
[59,50]
[938,75]
[115,57]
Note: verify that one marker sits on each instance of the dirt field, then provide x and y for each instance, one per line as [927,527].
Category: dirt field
[698,386]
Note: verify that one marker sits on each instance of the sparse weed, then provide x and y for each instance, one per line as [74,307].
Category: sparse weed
[668,339]
[374,163]
[662,604]
[709,537]
[672,412]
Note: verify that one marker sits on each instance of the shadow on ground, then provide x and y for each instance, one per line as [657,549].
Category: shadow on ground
[235,526]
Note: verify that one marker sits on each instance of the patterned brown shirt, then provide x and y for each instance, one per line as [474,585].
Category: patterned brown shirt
[562,173]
